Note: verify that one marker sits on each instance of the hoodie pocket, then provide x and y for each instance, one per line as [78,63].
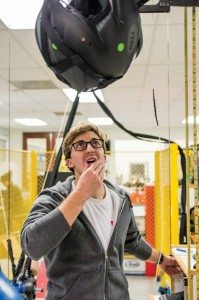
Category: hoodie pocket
[117,285]
[87,286]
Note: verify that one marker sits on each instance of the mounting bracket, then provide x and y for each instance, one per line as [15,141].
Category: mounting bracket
[164,5]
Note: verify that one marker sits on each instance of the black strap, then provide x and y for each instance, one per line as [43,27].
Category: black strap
[10,253]
[19,266]
[53,34]
[51,176]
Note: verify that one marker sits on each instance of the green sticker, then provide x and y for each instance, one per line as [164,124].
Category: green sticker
[54,47]
[120,47]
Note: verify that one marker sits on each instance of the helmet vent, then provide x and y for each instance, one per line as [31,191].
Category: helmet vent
[87,8]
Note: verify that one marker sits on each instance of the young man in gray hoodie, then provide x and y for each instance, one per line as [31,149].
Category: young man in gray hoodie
[83,226]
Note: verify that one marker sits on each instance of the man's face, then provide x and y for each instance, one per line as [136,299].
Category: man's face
[81,160]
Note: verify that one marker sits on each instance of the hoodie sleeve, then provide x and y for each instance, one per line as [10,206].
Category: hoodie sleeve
[45,226]
[135,244]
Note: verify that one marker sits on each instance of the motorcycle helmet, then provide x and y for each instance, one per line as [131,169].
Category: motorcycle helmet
[89,44]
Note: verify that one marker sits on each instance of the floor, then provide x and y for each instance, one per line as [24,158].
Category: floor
[141,287]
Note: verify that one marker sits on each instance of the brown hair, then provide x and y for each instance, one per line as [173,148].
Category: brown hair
[79,129]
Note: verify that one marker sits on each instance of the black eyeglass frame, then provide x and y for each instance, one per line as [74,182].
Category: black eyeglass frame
[86,144]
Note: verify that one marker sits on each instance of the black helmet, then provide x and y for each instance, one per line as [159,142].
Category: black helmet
[89,43]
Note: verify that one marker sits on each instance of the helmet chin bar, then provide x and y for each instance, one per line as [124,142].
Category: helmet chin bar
[93,80]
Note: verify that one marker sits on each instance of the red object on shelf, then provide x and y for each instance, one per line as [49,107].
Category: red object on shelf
[150,269]
[137,198]
[150,226]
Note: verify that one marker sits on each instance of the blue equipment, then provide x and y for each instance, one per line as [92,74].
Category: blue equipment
[7,289]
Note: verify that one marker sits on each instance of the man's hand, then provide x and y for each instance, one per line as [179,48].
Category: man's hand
[90,183]
[170,266]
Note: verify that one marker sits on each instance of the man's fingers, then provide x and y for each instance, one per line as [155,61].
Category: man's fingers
[93,166]
[101,172]
[100,169]
[96,166]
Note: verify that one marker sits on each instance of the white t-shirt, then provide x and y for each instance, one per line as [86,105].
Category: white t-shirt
[103,213]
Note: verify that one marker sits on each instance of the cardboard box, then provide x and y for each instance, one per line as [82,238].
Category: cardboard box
[133,265]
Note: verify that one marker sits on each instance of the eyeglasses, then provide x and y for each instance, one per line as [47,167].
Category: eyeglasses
[82,145]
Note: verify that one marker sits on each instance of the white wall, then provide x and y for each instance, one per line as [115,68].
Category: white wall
[14,138]
[129,152]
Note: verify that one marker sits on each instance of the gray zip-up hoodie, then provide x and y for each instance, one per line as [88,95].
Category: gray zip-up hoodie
[77,266]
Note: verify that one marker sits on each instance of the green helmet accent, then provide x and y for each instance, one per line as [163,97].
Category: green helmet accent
[54,47]
[120,47]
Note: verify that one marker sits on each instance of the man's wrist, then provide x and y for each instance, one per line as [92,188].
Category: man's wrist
[160,259]
[80,196]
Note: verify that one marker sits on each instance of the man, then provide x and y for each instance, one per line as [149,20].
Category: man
[84,225]
[11,190]
[12,203]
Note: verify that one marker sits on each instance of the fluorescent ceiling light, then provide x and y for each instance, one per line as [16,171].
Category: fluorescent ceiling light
[20,14]
[31,122]
[85,97]
[100,121]
[191,120]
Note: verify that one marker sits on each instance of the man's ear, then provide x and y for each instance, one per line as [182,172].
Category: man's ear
[105,160]
[69,163]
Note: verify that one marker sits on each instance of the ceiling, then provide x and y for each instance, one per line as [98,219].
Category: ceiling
[29,89]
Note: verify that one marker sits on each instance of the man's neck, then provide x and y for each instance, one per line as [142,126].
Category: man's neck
[100,193]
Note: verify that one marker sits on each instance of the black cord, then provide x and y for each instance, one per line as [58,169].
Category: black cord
[155,110]
[150,138]
[139,136]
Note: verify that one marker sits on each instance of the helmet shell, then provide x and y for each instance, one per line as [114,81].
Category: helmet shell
[89,52]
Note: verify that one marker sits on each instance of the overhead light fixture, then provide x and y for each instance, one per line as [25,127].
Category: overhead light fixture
[100,121]
[31,122]
[191,120]
[84,97]
[20,14]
